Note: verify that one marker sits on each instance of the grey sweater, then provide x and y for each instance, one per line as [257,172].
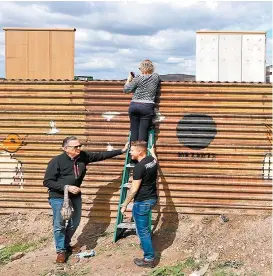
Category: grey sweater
[144,88]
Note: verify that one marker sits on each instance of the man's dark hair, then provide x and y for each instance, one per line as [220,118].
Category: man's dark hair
[68,139]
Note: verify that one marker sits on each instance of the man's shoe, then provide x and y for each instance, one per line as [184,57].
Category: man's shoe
[60,258]
[144,263]
[73,249]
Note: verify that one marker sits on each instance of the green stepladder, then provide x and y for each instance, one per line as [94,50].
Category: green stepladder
[120,225]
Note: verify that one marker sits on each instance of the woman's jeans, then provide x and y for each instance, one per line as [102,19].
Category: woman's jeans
[141,214]
[141,116]
[62,232]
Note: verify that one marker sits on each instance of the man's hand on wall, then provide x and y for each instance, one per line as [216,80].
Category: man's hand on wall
[125,147]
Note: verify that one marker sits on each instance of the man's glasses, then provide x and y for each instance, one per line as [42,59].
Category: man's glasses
[75,147]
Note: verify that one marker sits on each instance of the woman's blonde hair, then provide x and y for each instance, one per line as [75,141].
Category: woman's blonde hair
[146,66]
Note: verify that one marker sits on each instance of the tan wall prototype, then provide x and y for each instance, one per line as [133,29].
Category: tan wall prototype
[39,53]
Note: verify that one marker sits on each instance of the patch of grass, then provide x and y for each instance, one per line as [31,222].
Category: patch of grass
[190,263]
[44,273]
[10,250]
[44,239]
[81,272]
[107,234]
[175,270]
[254,273]
[24,247]
[62,273]
[222,272]
[224,268]
[231,264]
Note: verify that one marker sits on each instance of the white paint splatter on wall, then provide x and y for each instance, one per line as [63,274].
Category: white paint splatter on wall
[158,116]
[110,147]
[53,129]
[110,115]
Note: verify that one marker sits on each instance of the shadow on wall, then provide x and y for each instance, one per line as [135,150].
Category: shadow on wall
[164,236]
[167,218]
[93,230]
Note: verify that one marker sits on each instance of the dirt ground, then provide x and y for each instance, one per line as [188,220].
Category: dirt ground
[242,245]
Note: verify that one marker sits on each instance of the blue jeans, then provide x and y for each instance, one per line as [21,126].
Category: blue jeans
[141,211]
[141,116]
[62,232]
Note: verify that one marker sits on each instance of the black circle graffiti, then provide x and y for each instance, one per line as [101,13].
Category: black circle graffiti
[196,131]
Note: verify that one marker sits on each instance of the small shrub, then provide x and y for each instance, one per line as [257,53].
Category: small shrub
[175,270]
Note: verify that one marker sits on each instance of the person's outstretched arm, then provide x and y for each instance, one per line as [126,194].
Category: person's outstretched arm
[99,156]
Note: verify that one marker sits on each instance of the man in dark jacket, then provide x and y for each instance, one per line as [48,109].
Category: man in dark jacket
[69,168]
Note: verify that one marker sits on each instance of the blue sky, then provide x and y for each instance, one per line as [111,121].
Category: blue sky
[113,37]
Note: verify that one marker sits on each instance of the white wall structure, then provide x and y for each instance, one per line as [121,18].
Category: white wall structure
[230,56]
[207,57]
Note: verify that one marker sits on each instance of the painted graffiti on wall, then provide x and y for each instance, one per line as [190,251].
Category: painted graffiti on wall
[196,155]
[11,171]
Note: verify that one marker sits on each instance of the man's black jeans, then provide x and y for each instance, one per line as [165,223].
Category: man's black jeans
[141,115]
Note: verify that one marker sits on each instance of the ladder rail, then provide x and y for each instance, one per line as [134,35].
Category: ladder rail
[151,142]
[123,191]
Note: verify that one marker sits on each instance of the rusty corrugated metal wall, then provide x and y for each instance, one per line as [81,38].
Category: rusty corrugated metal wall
[213,142]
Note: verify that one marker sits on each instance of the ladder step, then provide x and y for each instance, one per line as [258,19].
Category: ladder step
[126,185]
[127,225]
[130,165]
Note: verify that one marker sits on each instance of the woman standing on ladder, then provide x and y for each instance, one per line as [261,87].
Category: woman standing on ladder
[141,109]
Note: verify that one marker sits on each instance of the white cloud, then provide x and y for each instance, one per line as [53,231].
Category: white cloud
[97,63]
[175,60]
[113,37]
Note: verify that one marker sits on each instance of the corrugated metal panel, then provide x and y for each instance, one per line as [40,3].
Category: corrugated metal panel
[213,143]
